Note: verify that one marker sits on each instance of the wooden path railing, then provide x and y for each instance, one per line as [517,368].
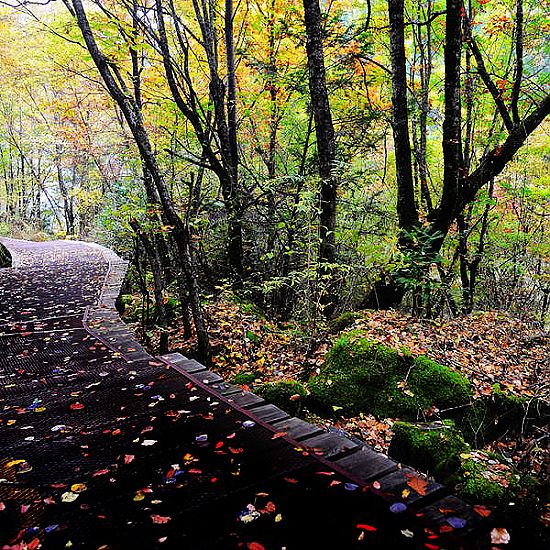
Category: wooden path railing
[104,446]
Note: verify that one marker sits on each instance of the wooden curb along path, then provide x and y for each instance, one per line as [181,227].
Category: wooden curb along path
[104,446]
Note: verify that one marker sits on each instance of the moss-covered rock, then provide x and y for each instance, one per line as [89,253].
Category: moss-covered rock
[286,394]
[362,376]
[490,417]
[486,478]
[344,320]
[244,378]
[434,447]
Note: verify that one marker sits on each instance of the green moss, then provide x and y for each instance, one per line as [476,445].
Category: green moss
[478,488]
[126,299]
[498,485]
[490,417]
[244,378]
[362,376]
[344,320]
[283,394]
[438,384]
[435,447]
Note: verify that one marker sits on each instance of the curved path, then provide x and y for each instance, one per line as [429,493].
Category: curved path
[104,446]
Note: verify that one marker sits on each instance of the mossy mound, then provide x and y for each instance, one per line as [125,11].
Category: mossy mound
[344,320]
[434,447]
[287,395]
[485,478]
[244,378]
[490,417]
[362,376]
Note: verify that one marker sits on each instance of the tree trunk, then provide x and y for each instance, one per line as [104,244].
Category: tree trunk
[406,207]
[116,87]
[158,282]
[326,146]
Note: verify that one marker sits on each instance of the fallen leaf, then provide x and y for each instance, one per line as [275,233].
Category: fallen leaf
[160,519]
[483,511]
[499,535]
[418,484]
[366,527]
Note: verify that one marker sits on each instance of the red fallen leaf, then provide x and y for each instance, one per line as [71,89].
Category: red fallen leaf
[290,480]
[100,473]
[160,519]
[76,406]
[325,473]
[194,471]
[230,436]
[213,479]
[445,529]
[269,508]
[366,527]
[116,432]
[156,363]
[483,511]
[255,546]
[219,444]
[128,458]
[278,435]
[376,485]
[418,484]
[447,510]
[431,546]
[237,450]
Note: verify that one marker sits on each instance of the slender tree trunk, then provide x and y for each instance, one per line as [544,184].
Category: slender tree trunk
[116,87]
[158,282]
[68,207]
[406,206]
[326,145]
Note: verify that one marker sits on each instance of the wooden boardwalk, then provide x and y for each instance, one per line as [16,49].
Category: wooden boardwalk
[104,446]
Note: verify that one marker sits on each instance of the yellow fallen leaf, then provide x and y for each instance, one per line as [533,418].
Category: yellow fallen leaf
[14,463]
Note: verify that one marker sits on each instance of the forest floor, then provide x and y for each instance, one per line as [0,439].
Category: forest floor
[488,347]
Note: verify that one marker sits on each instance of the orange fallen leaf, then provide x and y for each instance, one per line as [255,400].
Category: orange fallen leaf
[418,484]
[483,511]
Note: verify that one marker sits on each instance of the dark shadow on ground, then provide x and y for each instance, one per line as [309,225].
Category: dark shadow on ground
[5,257]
